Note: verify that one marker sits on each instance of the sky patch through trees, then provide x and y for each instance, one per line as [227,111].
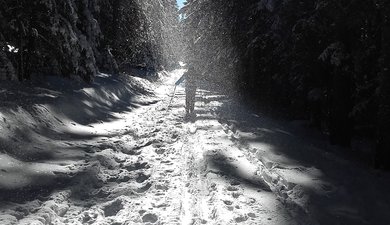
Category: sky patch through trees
[180,3]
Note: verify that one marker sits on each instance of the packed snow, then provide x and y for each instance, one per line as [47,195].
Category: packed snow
[119,152]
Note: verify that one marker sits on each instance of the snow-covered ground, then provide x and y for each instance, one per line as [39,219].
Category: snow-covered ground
[114,153]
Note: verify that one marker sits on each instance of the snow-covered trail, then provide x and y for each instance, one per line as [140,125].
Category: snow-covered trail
[220,183]
[148,166]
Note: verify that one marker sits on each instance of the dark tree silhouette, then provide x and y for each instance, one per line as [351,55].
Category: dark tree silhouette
[325,61]
[79,38]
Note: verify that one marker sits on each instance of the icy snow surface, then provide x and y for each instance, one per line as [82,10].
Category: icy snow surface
[116,153]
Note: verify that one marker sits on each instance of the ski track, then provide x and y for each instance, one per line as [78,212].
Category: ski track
[153,168]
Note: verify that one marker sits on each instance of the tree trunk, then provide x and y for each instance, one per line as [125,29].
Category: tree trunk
[115,21]
[382,157]
[340,121]
[21,59]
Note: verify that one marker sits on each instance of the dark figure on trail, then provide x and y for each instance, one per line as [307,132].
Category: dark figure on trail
[191,83]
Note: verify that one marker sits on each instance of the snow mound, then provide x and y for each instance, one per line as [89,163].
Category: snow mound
[40,120]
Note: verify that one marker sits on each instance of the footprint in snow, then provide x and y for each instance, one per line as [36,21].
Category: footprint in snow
[123,179]
[160,151]
[113,208]
[117,223]
[232,188]
[89,218]
[132,152]
[167,162]
[158,144]
[162,187]
[175,135]
[149,218]
[252,215]
[236,194]
[137,166]
[235,183]
[102,193]
[227,202]
[241,219]
[144,188]
[142,177]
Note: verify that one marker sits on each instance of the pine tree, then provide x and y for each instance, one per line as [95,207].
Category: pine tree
[313,60]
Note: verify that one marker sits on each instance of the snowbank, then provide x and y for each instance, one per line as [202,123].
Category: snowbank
[37,118]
